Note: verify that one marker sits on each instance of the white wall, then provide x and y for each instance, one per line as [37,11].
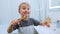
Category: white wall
[5,11]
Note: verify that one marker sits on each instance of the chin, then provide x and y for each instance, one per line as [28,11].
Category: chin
[26,15]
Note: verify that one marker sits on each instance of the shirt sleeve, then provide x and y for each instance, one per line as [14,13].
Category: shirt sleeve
[35,22]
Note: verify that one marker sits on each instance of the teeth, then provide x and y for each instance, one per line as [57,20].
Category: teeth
[26,12]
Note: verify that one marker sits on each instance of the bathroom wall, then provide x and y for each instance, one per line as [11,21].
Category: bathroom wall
[53,13]
[5,11]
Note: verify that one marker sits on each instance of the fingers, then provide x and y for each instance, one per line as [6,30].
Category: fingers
[47,24]
[42,24]
[14,22]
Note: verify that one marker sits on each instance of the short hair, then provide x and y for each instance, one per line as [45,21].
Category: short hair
[23,3]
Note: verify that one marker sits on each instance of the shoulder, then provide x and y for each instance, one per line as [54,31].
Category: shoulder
[34,20]
[31,19]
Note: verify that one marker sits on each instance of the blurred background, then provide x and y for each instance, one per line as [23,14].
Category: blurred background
[40,10]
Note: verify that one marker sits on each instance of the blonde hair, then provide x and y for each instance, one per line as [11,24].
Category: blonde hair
[21,5]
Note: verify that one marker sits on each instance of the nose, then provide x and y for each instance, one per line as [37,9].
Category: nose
[26,12]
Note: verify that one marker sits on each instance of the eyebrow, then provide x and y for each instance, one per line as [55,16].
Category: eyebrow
[22,6]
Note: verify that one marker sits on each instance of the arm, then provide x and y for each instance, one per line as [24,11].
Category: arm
[13,26]
[42,24]
[45,23]
[10,29]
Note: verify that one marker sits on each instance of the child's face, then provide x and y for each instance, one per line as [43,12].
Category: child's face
[24,10]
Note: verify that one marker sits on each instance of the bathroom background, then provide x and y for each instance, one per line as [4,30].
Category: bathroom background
[40,10]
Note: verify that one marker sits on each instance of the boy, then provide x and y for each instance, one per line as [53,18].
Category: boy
[25,25]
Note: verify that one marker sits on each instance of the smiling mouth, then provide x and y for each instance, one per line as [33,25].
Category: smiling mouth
[26,12]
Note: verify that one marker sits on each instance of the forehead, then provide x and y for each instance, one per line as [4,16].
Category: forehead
[24,5]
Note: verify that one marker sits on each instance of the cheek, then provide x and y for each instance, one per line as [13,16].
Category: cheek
[21,11]
[28,12]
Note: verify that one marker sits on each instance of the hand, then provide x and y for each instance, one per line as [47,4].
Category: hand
[48,21]
[14,22]
[42,23]
[47,24]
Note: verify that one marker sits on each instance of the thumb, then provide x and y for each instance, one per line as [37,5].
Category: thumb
[19,22]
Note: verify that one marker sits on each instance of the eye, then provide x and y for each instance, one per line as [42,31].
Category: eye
[24,8]
[28,9]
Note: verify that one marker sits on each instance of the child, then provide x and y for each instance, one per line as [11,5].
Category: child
[25,25]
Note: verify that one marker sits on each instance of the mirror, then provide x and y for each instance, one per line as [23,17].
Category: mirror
[54,4]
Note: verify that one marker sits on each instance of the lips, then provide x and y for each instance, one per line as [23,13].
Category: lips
[26,12]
